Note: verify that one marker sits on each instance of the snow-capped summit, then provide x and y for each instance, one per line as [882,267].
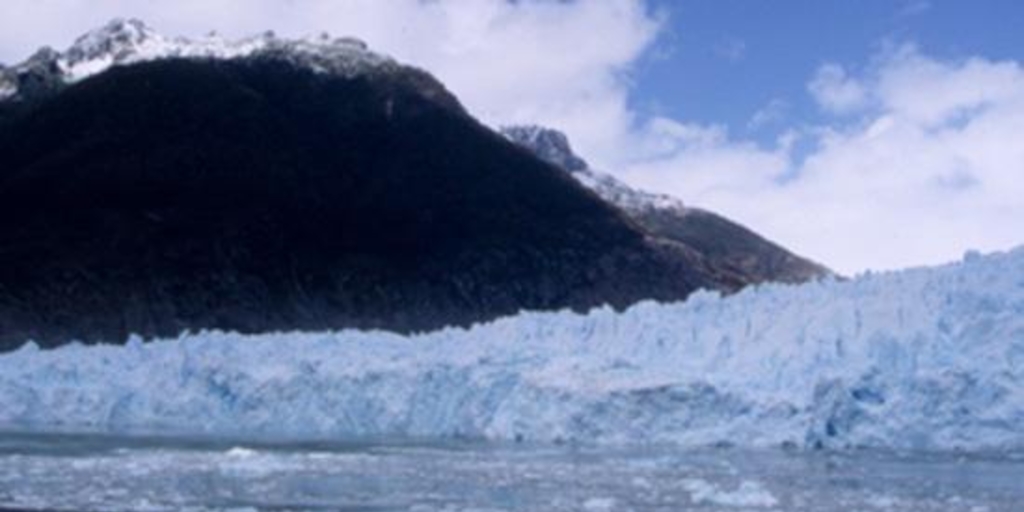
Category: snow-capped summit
[553,146]
[117,41]
[122,41]
[40,72]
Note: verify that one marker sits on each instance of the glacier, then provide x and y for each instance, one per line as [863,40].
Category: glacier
[920,359]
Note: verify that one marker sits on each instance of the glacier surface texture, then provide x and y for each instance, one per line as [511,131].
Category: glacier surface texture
[929,359]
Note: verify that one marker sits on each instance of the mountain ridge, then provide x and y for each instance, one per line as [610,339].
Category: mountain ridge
[734,248]
[130,41]
[291,186]
[258,195]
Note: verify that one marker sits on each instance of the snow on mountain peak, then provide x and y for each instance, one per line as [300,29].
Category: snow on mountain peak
[553,147]
[117,42]
[128,41]
[116,35]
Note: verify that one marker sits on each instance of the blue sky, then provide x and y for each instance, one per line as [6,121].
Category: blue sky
[868,135]
[723,61]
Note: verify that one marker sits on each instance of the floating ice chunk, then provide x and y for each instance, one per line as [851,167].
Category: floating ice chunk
[239,452]
[599,504]
[749,494]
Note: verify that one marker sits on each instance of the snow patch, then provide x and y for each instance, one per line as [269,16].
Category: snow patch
[7,89]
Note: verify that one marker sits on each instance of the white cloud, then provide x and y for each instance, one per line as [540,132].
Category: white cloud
[926,165]
[724,167]
[772,113]
[835,91]
[932,92]
[913,8]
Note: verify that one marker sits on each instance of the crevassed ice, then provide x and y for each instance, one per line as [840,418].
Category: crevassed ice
[920,359]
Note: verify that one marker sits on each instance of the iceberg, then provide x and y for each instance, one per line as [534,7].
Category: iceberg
[920,359]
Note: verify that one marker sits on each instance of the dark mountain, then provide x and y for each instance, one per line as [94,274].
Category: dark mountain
[733,248]
[152,185]
[261,193]
[725,245]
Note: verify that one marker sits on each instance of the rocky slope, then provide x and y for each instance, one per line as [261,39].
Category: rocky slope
[730,247]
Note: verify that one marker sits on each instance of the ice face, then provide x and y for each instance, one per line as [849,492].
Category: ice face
[929,359]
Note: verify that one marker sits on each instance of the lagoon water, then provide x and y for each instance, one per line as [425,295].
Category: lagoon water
[100,472]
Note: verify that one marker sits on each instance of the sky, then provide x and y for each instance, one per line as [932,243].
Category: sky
[868,135]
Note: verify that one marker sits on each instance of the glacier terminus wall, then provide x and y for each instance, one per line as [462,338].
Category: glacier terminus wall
[929,359]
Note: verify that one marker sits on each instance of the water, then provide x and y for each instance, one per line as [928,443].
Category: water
[61,471]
